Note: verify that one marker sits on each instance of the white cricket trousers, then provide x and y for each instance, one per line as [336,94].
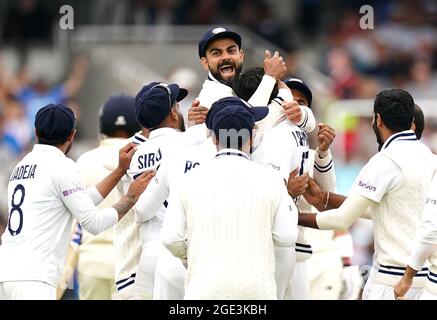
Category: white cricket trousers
[27,290]
[285,261]
[169,277]
[145,277]
[298,285]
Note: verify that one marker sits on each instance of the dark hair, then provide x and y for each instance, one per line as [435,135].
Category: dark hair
[396,108]
[248,81]
[419,121]
[57,142]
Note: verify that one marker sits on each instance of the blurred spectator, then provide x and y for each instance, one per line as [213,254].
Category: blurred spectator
[423,82]
[188,79]
[36,92]
[340,68]
[27,22]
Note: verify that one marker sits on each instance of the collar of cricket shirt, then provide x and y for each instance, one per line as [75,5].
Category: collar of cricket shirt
[47,148]
[161,131]
[407,135]
[231,152]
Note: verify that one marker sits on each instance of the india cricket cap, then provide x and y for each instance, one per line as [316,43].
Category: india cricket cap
[153,103]
[214,34]
[298,84]
[258,113]
[235,117]
[54,123]
[118,113]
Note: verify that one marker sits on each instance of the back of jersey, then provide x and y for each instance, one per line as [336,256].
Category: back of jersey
[35,241]
[283,148]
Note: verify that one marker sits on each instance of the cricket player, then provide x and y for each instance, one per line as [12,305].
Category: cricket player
[226,217]
[127,244]
[392,187]
[45,195]
[157,109]
[221,55]
[327,274]
[96,254]
[424,249]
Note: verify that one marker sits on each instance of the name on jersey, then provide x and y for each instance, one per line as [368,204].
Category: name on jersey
[24,172]
[366,186]
[190,165]
[149,160]
[431,201]
[301,138]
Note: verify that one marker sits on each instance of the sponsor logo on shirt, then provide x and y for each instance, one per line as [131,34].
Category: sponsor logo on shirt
[366,186]
[431,201]
[274,166]
[68,192]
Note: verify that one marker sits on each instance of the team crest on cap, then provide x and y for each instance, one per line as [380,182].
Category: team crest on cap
[218,30]
[121,121]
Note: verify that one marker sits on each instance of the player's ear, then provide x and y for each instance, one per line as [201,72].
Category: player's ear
[378,120]
[204,63]
[214,139]
[72,135]
[241,54]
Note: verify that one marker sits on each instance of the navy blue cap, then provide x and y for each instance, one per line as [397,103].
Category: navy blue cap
[298,84]
[235,117]
[154,101]
[118,113]
[54,123]
[258,113]
[214,34]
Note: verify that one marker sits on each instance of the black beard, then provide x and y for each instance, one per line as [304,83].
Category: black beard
[181,123]
[229,82]
[378,135]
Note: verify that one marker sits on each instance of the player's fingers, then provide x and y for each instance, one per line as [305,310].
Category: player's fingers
[128,147]
[276,55]
[195,103]
[267,54]
[294,173]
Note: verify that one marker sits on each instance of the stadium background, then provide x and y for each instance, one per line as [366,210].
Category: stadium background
[118,45]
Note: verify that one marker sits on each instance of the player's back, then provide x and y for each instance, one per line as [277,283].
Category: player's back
[34,244]
[284,148]
[230,204]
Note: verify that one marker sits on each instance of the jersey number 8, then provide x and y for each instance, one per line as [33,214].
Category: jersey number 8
[16,208]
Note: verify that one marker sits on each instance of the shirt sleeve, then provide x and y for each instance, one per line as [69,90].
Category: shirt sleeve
[174,226]
[343,217]
[80,204]
[284,229]
[276,112]
[324,173]
[95,195]
[308,122]
[378,177]
[427,228]
[262,94]
[154,196]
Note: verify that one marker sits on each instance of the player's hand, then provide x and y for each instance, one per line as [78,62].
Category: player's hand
[292,111]
[325,136]
[297,185]
[352,283]
[125,156]
[140,184]
[196,114]
[314,195]
[402,287]
[274,66]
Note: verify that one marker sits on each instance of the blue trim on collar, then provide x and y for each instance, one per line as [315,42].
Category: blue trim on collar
[231,153]
[410,135]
